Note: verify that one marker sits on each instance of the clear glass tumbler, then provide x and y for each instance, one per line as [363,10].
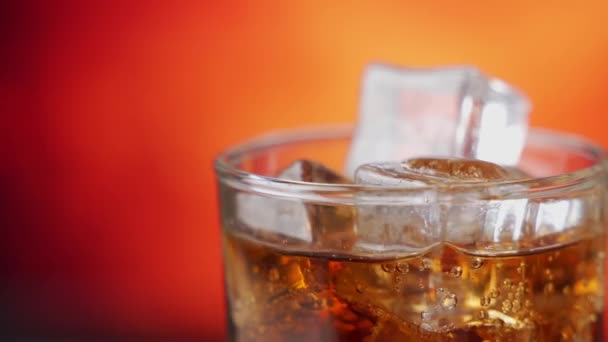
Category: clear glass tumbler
[499,260]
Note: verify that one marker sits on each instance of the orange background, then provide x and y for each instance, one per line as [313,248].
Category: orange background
[113,112]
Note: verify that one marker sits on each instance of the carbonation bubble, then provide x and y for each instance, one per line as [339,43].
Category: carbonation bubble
[516,305]
[485,301]
[507,283]
[494,293]
[456,271]
[397,279]
[426,264]
[449,301]
[426,327]
[425,315]
[403,267]
[273,274]
[549,288]
[506,305]
[388,267]
[476,263]
[360,288]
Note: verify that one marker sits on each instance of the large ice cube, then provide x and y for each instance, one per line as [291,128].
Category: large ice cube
[417,220]
[450,111]
[323,225]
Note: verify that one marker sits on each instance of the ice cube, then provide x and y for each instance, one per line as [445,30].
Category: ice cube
[323,225]
[449,111]
[418,219]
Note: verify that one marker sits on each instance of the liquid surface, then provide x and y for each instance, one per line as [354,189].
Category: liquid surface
[442,295]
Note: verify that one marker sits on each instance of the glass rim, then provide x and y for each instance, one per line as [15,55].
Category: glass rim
[581,179]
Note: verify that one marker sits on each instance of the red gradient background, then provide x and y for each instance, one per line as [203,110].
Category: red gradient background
[112,113]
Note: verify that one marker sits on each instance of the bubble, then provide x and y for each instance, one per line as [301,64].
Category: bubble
[506,305]
[360,288]
[566,290]
[476,263]
[421,284]
[426,315]
[483,314]
[273,274]
[494,293]
[397,288]
[549,288]
[397,279]
[521,269]
[527,303]
[550,258]
[403,267]
[440,290]
[425,327]
[510,295]
[516,305]
[388,267]
[485,301]
[449,301]
[456,271]
[507,283]
[426,264]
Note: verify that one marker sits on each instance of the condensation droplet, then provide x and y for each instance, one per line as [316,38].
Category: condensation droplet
[449,301]
[456,271]
[506,305]
[476,263]
[403,267]
[388,267]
